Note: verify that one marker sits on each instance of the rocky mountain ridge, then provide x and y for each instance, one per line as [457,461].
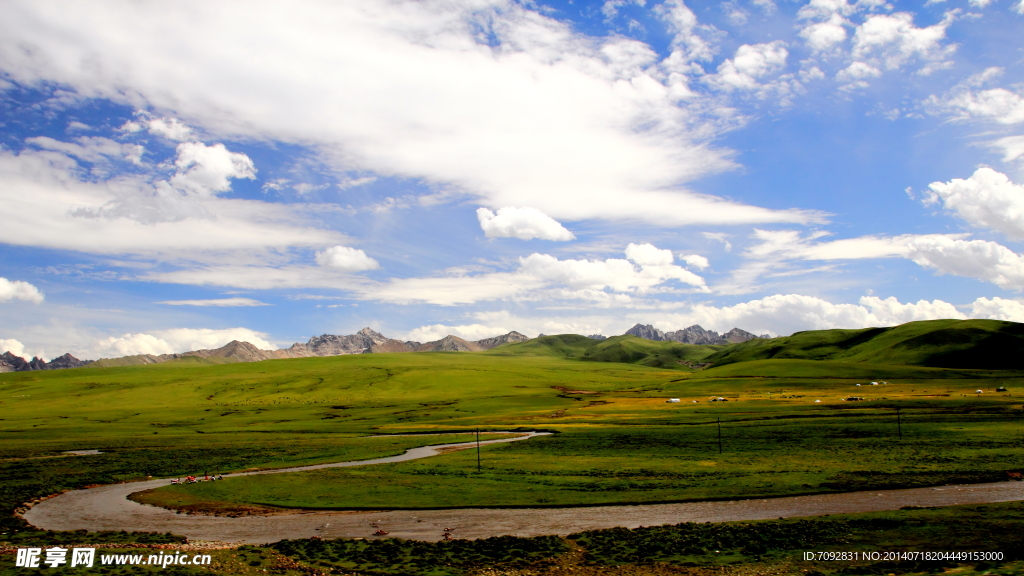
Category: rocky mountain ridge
[365,341]
[11,363]
[692,335]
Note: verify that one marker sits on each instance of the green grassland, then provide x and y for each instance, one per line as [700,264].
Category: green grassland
[787,427]
[985,344]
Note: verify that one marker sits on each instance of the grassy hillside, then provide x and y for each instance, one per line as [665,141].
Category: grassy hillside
[980,344]
[621,349]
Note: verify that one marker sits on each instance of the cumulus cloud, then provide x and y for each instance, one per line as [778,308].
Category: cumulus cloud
[998,308]
[176,341]
[346,259]
[206,170]
[688,43]
[19,290]
[648,255]
[13,346]
[979,259]
[988,199]
[892,40]
[891,311]
[822,36]
[858,71]
[603,282]
[967,100]
[219,302]
[170,128]
[469,332]
[697,261]
[783,314]
[750,64]
[588,128]
[522,223]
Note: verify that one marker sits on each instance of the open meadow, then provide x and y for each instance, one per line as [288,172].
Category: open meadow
[785,427]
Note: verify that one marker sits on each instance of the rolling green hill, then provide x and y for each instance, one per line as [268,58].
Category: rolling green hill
[622,349]
[984,344]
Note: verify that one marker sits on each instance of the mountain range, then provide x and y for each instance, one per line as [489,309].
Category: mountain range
[366,341]
[692,335]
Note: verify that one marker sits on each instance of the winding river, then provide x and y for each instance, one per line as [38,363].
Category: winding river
[108,508]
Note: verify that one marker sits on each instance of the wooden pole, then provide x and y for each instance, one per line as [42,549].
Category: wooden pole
[477,449]
[719,434]
[899,425]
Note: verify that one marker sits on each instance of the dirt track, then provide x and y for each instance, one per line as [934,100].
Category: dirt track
[107,508]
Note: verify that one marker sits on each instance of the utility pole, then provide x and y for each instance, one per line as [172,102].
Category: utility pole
[478,450]
[719,434]
[899,425]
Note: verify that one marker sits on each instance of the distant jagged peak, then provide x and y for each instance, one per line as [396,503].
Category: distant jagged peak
[737,335]
[510,338]
[597,337]
[449,344]
[692,335]
[11,363]
[646,331]
[372,334]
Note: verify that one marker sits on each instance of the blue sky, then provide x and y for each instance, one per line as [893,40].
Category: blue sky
[178,175]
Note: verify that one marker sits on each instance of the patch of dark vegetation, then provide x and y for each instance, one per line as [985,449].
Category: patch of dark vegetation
[875,480]
[680,543]
[411,557]
[987,528]
[72,537]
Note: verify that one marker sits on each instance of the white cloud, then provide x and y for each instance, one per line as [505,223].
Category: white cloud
[170,128]
[988,199]
[346,259]
[229,302]
[469,332]
[538,276]
[59,209]
[1012,146]
[979,259]
[688,45]
[522,223]
[13,346]
[1018,7]
[823,36]
[206,170]
[19,290]
[980,3]
[751,63]
[964,101]
[545,118]
[697,261]
[890,311]
[783,314]
[353,182]
[997,104]
[858,71]
[91,148]
[892,40]
[610,8]
[998,309]
[176,341]
[776,250]
[719,237]
[648,255]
